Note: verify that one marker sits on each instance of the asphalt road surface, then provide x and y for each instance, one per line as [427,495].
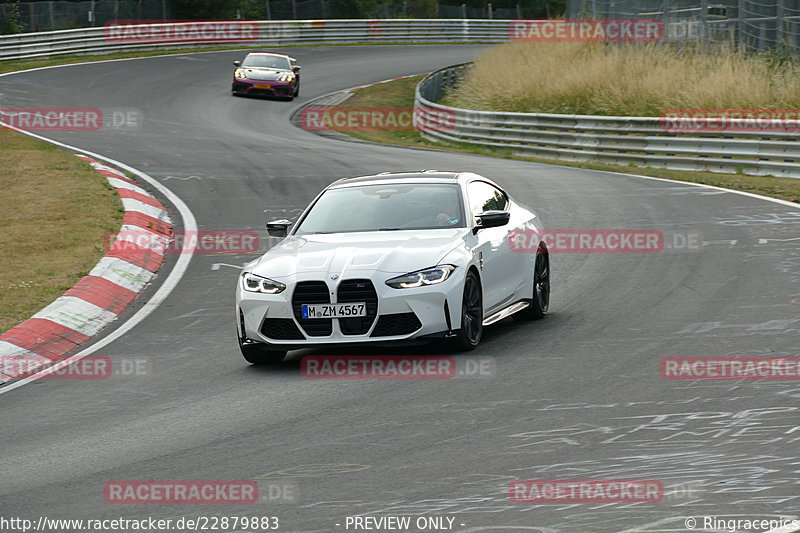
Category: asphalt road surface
[575,396]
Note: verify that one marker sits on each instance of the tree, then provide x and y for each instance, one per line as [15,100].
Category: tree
[203,9]
[421,8]
[12,22]
[354,9]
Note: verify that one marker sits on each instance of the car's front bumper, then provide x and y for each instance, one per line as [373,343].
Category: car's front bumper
[393,314]
[262,87]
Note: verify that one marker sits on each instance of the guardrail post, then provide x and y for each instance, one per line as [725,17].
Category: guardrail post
[519,12]
[31,16]
[116,10]
[91,13]
[52,18]
[463,11]
[269,15]
[742,34]
[704,19]
[779,23]
[490,11]
[294,9]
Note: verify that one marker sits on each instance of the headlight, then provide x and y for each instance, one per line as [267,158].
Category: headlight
[239,73]
[288,76]
[253,283]
[429,276]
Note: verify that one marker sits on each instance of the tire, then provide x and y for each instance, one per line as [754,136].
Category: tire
[540,300]
[256,353]
[469,336]
[297,89]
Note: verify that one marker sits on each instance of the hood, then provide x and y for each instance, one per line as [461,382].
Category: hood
[395,252]
[264,73]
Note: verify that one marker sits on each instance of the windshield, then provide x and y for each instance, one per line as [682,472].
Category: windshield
[276,62]
[387,207]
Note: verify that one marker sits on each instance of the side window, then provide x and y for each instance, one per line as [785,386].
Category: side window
[484,197]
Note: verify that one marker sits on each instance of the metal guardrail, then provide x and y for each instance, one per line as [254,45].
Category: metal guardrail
[640,141]
[267,33]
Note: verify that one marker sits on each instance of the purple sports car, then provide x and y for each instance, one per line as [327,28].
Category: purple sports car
[266,74]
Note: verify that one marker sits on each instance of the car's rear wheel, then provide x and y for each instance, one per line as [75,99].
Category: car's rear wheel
[469,336]
[541,285]
[257,354]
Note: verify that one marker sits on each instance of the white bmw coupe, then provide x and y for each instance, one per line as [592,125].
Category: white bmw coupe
[393,257]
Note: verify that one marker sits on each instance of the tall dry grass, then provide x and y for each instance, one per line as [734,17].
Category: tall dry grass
[593,78]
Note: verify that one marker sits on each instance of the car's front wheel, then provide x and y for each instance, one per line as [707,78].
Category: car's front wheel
[257,354]
[471,330]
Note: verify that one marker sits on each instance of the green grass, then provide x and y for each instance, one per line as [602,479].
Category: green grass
[56,211]
[401,94]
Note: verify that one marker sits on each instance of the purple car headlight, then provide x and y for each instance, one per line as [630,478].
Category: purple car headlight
[240,73]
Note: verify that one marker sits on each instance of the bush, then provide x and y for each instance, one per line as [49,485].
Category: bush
[12,22]
[420,9]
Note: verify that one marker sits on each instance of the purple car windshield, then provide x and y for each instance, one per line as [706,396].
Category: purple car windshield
[266,62]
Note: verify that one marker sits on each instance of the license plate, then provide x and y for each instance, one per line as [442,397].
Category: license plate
[347,310]
[262,86]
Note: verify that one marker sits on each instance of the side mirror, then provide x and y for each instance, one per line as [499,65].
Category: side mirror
[237,63]
[278,228]
[490,219]
[296,69]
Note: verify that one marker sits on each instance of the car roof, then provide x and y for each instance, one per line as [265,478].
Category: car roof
[429,176]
